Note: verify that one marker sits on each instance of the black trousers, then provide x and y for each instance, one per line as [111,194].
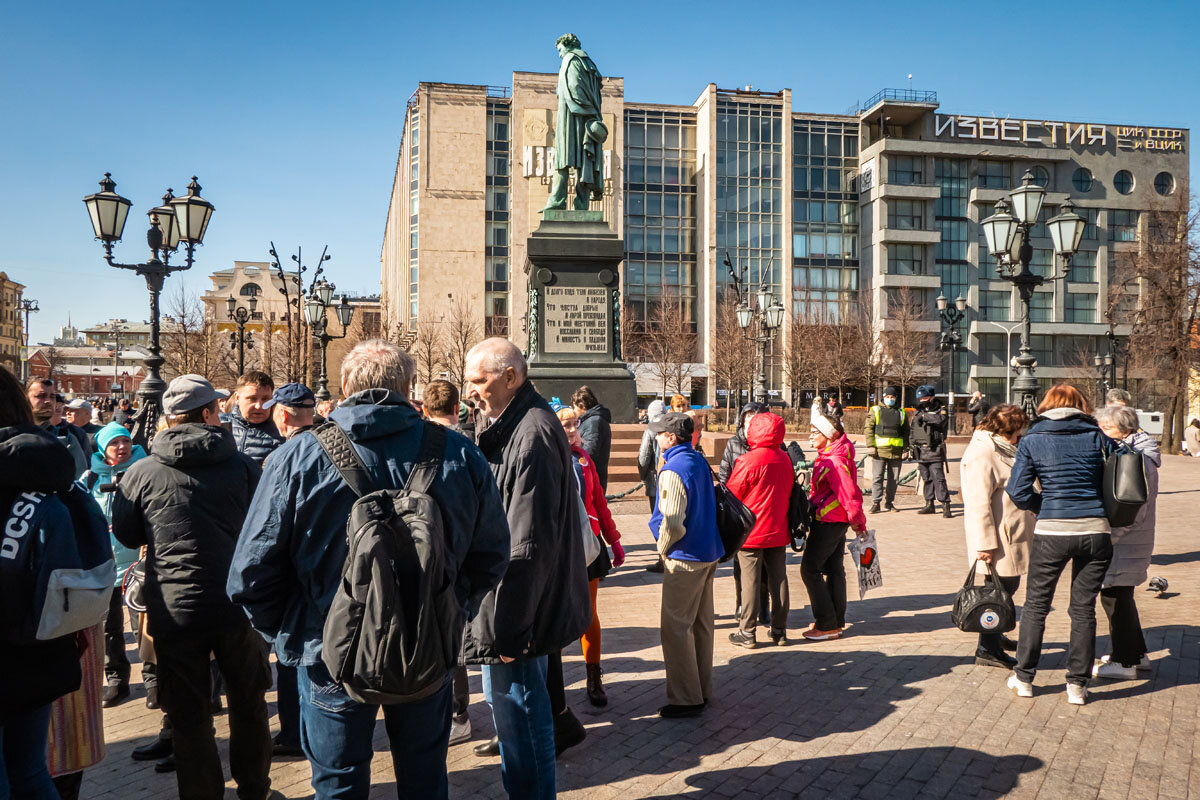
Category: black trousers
[1089,556]
[933,475]
[287,704]
[994,641]
[116,660]
[555,685]
[1124,625]
[823,570]
[462,693]
[185,691]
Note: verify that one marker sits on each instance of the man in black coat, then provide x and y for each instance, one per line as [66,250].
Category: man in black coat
[928,444]
[595,428]
[978,408]
[542,604]
[185,504]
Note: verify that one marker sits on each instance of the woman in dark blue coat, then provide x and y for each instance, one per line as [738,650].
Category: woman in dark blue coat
[1064,451]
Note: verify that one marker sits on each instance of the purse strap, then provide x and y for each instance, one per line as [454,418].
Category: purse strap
[991,574]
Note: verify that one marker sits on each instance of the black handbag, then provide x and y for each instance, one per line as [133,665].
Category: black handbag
[734,520]
[1125,488]
[984,609]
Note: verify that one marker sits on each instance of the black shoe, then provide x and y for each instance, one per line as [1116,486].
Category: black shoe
[166,765]
[928,509]
[990,658]
[218,708]
[743,638]
[680,712]
[158,749]
[874,509]
[779,638]
[657,566]
[114,694]
[890,507]
[488,749]
[152,697]
[285,749]
[1008,644]
[946,512]
[568,732]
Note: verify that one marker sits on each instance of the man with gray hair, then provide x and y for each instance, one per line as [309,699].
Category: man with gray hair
[292,550]
[542,605]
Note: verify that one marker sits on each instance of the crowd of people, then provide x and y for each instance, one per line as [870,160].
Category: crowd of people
[259,521]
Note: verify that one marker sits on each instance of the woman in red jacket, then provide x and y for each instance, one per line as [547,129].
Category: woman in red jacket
[603,527]
[836,504]
[762,479]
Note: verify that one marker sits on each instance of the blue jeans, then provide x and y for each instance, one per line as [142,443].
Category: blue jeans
[521,711]
[336,733]
[23,773]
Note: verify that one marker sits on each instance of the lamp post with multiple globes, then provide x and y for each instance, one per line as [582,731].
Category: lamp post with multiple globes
[320,300]
[951,342]
[759,316]
[240,339]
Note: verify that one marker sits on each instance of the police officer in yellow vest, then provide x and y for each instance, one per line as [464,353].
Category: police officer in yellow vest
[886,439]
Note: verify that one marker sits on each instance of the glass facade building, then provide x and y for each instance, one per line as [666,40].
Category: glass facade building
[496,211]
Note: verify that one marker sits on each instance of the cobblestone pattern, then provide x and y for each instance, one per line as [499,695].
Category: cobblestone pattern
[897,709]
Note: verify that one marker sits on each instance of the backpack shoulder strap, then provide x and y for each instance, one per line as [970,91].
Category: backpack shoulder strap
[345,457]
[429,458]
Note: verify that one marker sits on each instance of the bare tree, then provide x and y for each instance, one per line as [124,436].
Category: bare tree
[427,348]
[463,332]
[732,353]
[802,353]
[668,345]
[908,349]
[183,332]
[54,360]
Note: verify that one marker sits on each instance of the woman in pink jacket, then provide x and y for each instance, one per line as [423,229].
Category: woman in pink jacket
[836,504]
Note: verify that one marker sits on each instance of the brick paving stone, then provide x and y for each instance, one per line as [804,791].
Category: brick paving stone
[896,709]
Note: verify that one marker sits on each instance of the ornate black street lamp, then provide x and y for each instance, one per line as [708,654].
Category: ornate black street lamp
[759,317]
[179,220]
[240,340]
[320,300]
[27,307]
[1008,241]
[951,342]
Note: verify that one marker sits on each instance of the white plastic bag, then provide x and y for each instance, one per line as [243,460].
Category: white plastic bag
[866,557]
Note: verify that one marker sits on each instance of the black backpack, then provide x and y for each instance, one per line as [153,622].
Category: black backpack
[799,507]
[394,629]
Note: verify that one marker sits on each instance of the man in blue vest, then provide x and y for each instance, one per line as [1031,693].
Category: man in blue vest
[684,524]
[886,437]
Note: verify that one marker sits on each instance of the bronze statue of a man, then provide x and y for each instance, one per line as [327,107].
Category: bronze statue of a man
[579,132]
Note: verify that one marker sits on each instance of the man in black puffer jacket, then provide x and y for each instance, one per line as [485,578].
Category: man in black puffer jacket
[186,504]
[254,431]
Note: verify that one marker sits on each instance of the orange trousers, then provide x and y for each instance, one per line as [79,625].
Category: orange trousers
[591,637]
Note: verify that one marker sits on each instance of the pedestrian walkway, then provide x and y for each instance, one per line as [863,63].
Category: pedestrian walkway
[896,709]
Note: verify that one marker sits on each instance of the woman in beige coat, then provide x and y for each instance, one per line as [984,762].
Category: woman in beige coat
[997,531]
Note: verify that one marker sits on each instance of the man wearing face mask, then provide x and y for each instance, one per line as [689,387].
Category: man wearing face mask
[930,423]
[886,437]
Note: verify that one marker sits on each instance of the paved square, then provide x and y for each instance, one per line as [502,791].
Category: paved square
[896,709]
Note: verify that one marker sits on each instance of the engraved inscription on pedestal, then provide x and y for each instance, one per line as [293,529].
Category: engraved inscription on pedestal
[576,319]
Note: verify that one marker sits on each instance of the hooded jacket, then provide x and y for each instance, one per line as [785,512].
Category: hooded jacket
[94,480]
[76,442]
[737,446]
[289,557]
[1134,545]
[257,440]
[763,480]
[595,428]
[186,503]
[542,604]
[1065,452]
[928,431]
[835,495]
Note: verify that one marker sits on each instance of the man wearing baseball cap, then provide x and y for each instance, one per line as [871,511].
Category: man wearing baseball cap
[293,407]
[684,523]
[79,414]
[185,504]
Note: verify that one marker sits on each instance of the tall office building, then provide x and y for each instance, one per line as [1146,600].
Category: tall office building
[836,215]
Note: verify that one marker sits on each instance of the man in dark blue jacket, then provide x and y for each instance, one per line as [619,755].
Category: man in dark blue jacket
[292,549]
[253,429]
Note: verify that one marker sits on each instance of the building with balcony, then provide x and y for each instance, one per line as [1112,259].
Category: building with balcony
[12,324]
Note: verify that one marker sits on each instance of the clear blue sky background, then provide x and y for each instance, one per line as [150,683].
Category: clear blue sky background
[290,112]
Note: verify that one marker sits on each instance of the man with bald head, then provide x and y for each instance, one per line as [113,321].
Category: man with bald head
[542,604]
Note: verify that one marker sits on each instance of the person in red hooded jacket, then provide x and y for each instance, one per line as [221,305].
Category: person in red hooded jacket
[762,479]
[836,504]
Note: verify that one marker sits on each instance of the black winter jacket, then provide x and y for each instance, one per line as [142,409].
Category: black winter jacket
[928,432]
[978,410]
[737,446]
[595,428]
[255,440]
[542,603]
[186,503]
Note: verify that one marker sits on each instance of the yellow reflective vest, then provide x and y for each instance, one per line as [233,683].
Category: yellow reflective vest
[896,441]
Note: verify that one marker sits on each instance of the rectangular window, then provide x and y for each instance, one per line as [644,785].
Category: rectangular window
[1122,225]
[1042,262]
[994,175]
[1089,230]
[994,305]
[918,302]
[1080,307]
[1041,307]
[905,170]
[1083,267]
[906,214]
[906,259]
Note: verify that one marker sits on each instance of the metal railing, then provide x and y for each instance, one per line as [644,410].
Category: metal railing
[899,95]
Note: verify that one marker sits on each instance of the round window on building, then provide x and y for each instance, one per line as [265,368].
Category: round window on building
[1164,183]
[1082,179]
[1041,176]
[1123,181]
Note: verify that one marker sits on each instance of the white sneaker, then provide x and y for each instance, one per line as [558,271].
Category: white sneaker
[459,731]
[1022,688]
[1114,671]
[1142,666]
[1076,695]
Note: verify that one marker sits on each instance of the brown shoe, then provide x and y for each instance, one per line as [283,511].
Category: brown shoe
[595,686]
[815,634]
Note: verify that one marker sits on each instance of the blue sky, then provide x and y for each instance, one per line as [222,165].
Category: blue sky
[290,113]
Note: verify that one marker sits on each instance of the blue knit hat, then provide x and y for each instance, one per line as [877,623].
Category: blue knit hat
[105,436]
[924,391]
